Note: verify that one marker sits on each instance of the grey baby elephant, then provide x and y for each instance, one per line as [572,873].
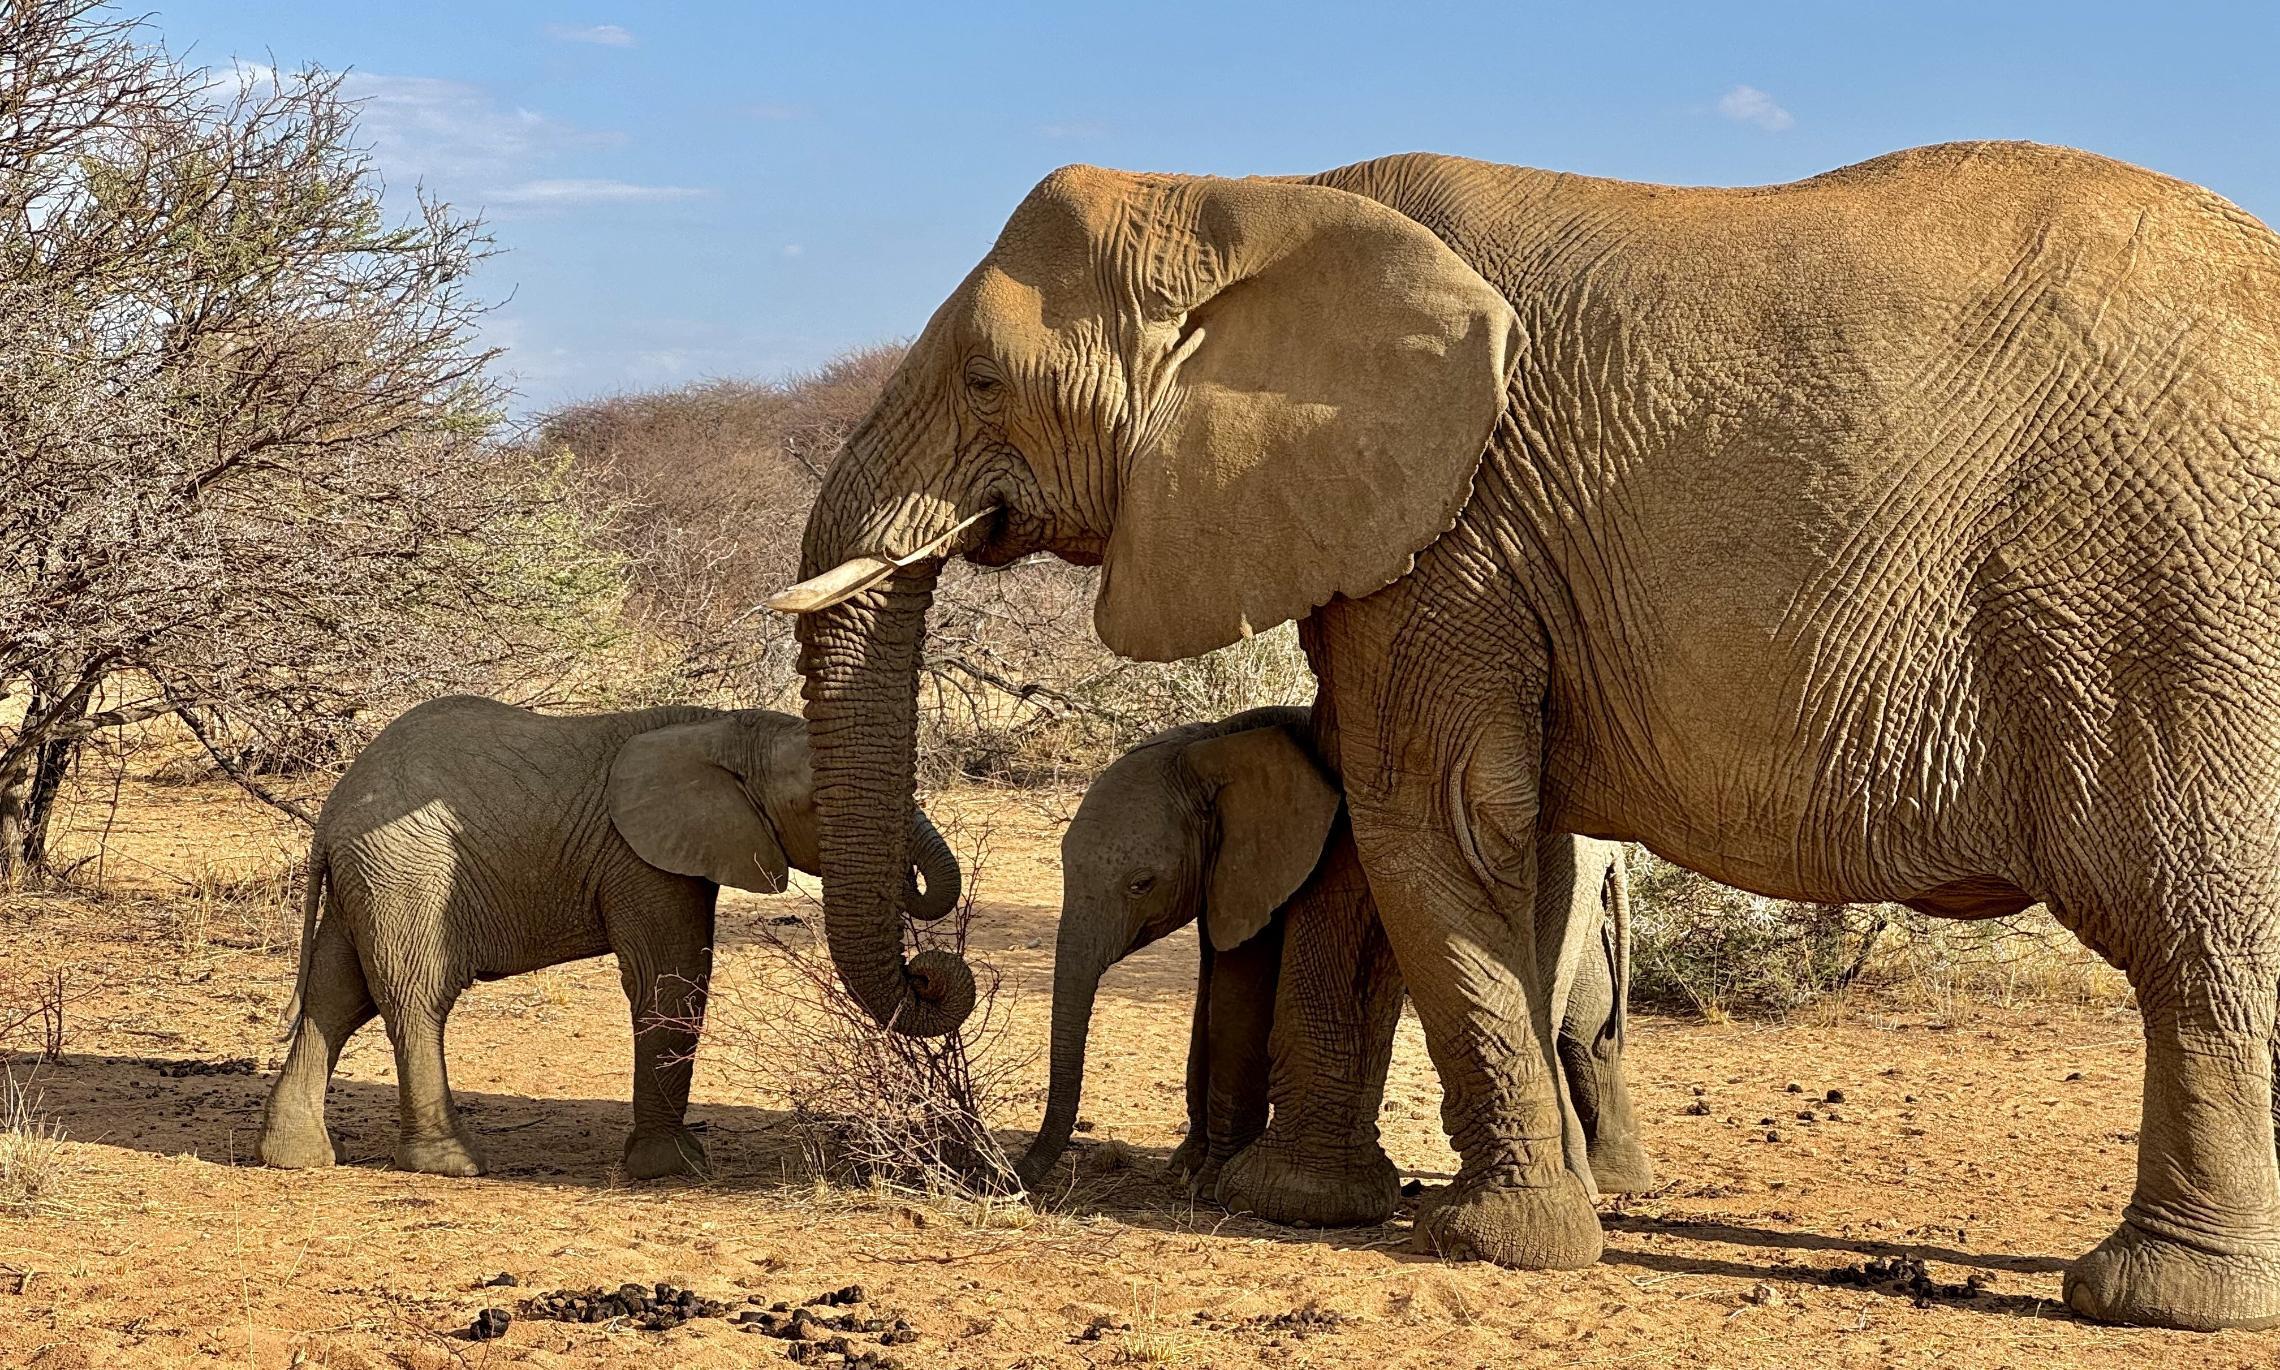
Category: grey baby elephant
[474,840]
[1236,826]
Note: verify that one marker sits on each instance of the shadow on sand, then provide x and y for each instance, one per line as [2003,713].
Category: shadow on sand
[172,1106]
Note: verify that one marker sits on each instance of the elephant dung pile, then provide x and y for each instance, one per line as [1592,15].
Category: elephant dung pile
[1906,1275]
[815,1329]
[658,1308]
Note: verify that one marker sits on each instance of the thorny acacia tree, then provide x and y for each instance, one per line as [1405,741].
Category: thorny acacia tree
[246,468]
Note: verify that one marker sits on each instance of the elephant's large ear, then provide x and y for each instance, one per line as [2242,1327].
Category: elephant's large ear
[1275,808]
[681,810]
[1312,421]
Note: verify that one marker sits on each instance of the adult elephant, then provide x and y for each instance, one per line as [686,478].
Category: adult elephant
[1907,533]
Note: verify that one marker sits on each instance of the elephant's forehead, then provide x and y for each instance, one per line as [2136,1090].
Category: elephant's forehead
[1124,820]
[1035,306]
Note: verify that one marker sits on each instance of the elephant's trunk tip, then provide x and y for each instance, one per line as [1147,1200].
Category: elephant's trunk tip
[940,998]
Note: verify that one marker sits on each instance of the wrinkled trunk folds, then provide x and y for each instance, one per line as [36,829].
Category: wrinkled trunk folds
[861,663]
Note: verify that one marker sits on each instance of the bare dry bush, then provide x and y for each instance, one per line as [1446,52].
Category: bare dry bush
[35,1009]
[1702,947]
[875,1109]
[703,493]
[1705,948]
[257,911]
[33,1160]
[1018,691]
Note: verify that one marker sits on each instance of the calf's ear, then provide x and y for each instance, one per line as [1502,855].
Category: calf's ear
[682,811]
[1273,808]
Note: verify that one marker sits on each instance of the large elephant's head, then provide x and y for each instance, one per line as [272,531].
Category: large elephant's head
[1218,821]
[1239,398]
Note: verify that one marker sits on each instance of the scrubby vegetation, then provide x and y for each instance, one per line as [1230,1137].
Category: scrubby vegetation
[254,482]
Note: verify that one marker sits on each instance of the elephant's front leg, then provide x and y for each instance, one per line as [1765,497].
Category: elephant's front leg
[1188,1158]
[665,964]
[1319,1163]
[1241,1019]
[1444,794]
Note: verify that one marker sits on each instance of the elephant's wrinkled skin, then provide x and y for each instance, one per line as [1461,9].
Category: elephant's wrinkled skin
[474,839]
[1911,533]
[1234,822]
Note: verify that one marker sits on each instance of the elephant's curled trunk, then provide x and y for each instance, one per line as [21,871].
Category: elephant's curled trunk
[860,658]
[933,862]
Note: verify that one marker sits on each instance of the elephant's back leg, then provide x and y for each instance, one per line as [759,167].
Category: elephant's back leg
[412,940]
[334,1004]
[2173,873]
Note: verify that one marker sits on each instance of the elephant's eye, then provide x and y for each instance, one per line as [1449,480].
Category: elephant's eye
[983,383]
[1140,884]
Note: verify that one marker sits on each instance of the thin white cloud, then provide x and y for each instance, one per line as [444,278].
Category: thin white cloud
[601,35]
[1749,105]
[793,249]
[427,129]
[586,192]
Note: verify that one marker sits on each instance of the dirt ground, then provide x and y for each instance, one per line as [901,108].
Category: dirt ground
[1996,1145]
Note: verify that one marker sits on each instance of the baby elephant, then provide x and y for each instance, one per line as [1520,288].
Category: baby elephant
[1237,823]
[474,840]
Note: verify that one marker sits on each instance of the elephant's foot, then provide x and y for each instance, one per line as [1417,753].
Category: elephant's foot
[1188,1157]
[297,1148]
[438,1156]
[2149,1280]
[1619,1165]
[659,1155]
[1549,1228]
[1271,1182]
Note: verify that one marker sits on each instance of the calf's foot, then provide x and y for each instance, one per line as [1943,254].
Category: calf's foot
[1188,1157]
[1619,1165]
[296,1148]
[438,1156]
[1270,1181]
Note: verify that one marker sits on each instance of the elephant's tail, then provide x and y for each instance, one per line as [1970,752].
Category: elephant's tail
[312,899]
[1619,918]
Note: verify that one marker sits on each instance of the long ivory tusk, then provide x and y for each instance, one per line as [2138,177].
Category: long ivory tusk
[853,577]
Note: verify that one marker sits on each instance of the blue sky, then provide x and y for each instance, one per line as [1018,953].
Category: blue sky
[745,189]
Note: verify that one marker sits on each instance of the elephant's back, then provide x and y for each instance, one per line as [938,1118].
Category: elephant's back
[467,789]
[2049,256]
